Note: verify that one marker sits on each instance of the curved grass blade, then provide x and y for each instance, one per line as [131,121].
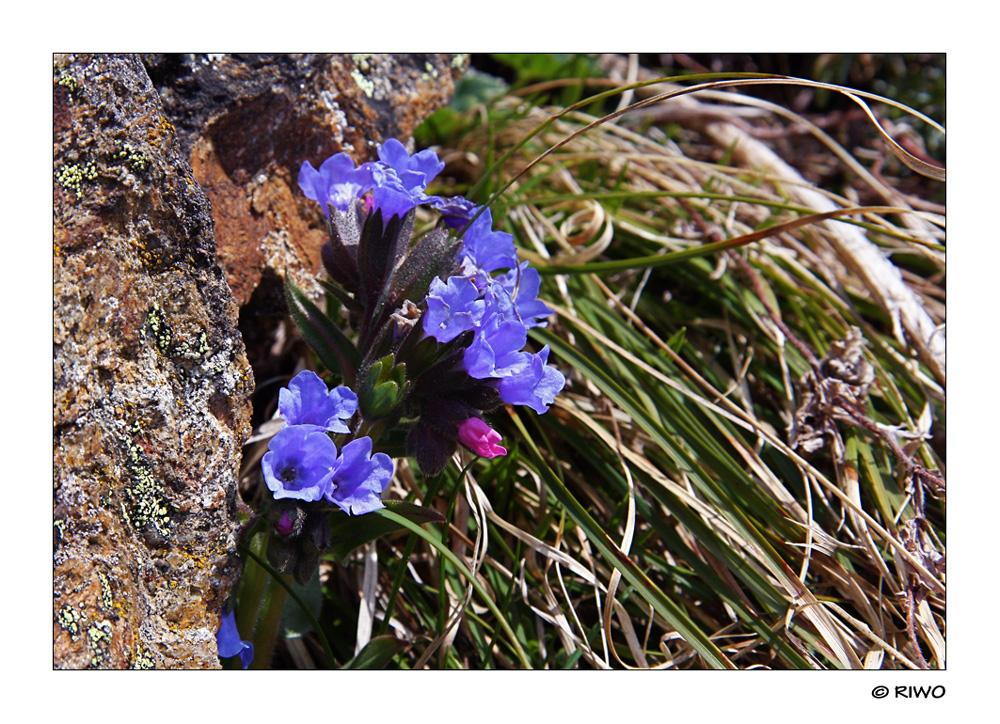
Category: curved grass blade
[735,80]
[377,653]
[670,611]
[454,560]
[694,252]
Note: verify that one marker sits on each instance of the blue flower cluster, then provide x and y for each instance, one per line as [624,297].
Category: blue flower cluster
[433,340]
[302,461]
[397,182]
[498,310]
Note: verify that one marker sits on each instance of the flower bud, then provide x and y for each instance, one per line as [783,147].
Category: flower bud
[479,437]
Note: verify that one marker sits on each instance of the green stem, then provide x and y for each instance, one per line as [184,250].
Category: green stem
[252,587]
[284,582]
[433,485]
[266,634]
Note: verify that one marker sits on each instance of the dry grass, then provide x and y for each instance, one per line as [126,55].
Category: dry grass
[746,468]
[694,379]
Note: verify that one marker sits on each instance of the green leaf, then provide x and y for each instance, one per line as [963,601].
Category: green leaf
[350,532]
[340,294]
[295,620]
[334,350]
[382,388]
[544,66]
[377,653]
[476,88]
[380,403]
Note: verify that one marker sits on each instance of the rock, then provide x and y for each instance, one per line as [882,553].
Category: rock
[151,383]
[247,122]
[177,209]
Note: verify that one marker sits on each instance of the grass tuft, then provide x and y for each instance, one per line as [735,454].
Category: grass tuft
[746,469]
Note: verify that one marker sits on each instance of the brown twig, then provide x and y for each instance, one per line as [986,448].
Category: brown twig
[910,603]
[923,476]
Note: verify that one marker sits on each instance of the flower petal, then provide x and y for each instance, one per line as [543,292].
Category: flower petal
[229,642]
[307,401]
[299,463]
[479,437]
[359,478]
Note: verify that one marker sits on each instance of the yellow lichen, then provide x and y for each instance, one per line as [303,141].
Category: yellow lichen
[97,635]
[163,128]
[157,322]
[144,495]
[136,160]
[361,60]
[72,176]
[106,596]
[69,619]
[67,81]
[143,661]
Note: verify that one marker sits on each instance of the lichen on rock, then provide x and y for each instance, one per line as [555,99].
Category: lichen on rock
[151,383]
[176,216]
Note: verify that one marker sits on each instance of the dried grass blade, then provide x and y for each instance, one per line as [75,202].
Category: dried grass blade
[369,596]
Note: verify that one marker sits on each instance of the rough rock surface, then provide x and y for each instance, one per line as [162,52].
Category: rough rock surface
[175,208]
[151,383]
[249,121]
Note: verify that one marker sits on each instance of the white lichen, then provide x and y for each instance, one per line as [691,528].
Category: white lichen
[367,86]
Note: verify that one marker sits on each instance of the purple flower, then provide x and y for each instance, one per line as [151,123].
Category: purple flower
[399,179]
[359,478]
[391,194]
[485,250]
[479,437]
[307,401]
[229,642]
[337,182]
[453,307]
[495,351]
[299,463]
[455,210]
[522,284]
[532,382]
[414,171]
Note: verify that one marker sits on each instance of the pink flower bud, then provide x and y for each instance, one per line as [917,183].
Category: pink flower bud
[479,437]
[285,524]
